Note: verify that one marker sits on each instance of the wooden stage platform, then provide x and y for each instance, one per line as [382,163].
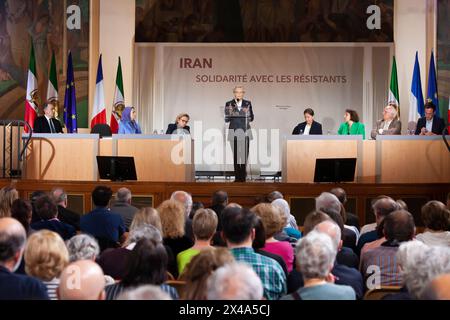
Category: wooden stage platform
[300,196]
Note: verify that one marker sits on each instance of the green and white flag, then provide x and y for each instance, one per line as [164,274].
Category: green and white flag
[394,96]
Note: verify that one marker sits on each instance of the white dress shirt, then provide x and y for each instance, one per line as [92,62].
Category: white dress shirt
[429,125]
[307,129]
[239,104]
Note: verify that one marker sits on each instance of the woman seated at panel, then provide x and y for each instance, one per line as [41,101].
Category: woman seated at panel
[352,126]
[309,127]
[128,123]
[180,126]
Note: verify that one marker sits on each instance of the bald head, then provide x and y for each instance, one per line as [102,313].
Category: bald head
[183,197]
[82,280]
[60,196]
[12,242]
[383,207]
[340,194]
[438,289]
[332,229]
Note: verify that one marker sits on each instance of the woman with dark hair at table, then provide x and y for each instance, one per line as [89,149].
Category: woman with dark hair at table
[309,127]
[128,123]
[180,126]
[352,126]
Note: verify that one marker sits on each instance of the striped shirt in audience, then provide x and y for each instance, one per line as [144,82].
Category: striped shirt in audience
[52,287]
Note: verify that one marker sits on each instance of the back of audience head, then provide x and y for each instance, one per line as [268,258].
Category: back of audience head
[7,196]
[82,247]
[147,264]
[238,226]
[185,198]
[59,196]
[144,231]
[200,268]
[123,195]
[283,206]
[438,288]
[12,243]
[34,196]
[101,196]
[146,215]
[195,207]
[313,219]
[420,264]
[315,254]
[45,255]
[21,211]
[271,217]
[340,194]
[204,224]
[274,195]
[233,205]
[402,205]
[46,208]
[234,281]
[399,226]
[90,284]
[220,197]
[259,241]
[146,292]
[327,202]
[384,206]
[173,218]
[435,216]
[332,229]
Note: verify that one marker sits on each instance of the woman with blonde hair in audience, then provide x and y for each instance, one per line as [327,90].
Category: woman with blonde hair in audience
[200,268]
[173,218]
[45,257]
[7,197]
[274,221]
[436,218]
[147,215]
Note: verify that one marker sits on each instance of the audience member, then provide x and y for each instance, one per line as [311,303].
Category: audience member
[196,205]
[200,268]
[7,197]
[123,207]
[219,202]
[436,218]
[234,281]
[64,214]
[186,199]
[34,196]
[147,215]
[106,226]
[90,280]
[351,218]
[273,222]
[274,195]
[147,292]
[204,226]
[45,257]
[372,226]
[47,210]
[21,211]
[315,254]
[147,265]
[402,205]
[16,286]
[239,232]
[398,228]
[291,227]
[438,289]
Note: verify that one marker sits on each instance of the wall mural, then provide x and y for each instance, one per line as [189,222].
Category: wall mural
[443,55]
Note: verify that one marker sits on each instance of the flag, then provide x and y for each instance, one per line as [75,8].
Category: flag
[432,93]
[70,101]
[52,89]
[119,100]
[31,108]
[393,88]
[99,110]
[416,108]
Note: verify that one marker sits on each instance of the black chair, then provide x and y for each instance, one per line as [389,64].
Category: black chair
[102,129]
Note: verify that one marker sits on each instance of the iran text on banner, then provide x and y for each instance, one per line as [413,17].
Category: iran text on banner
[394,96]
[99,109]
[32,92]
[119,100]
[70,100]
[416,108]
[432,93]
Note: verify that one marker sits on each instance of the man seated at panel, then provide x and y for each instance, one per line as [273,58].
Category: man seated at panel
[309,127]
[431,124]
[47,122]
[390,124]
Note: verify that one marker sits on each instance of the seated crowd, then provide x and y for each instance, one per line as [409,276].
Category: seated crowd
[183,250]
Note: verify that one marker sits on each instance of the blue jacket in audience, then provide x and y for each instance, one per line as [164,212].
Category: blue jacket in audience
[20,287]
[102,223]
[66,231]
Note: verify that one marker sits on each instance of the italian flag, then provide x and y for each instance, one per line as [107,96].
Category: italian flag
[118,99]
[52,88]
[99,110]
[32,87]
[393,88]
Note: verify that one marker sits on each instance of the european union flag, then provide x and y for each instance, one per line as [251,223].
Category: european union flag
[70,101]
[432,85]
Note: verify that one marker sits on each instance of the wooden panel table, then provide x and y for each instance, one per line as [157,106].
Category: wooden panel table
[62,157]
[412,159]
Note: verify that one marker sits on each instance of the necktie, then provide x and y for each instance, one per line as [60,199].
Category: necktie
[52,126]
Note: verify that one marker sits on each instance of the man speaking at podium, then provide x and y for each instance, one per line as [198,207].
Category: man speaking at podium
[239,113]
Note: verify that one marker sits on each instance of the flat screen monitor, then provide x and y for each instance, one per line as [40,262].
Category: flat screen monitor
[116,168]
[335,170]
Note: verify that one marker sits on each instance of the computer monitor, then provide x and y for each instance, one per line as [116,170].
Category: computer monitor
[335,170]
[116,168]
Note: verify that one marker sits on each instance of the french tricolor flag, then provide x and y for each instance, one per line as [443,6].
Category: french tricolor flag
[99,110]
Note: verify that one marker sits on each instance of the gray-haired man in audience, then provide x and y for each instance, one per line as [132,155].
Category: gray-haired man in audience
[122,206]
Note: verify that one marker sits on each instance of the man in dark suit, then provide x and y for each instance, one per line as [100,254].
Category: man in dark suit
[431,124]
[239,114]
[64,214]
[16,286]
[47,123]
[309,127]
